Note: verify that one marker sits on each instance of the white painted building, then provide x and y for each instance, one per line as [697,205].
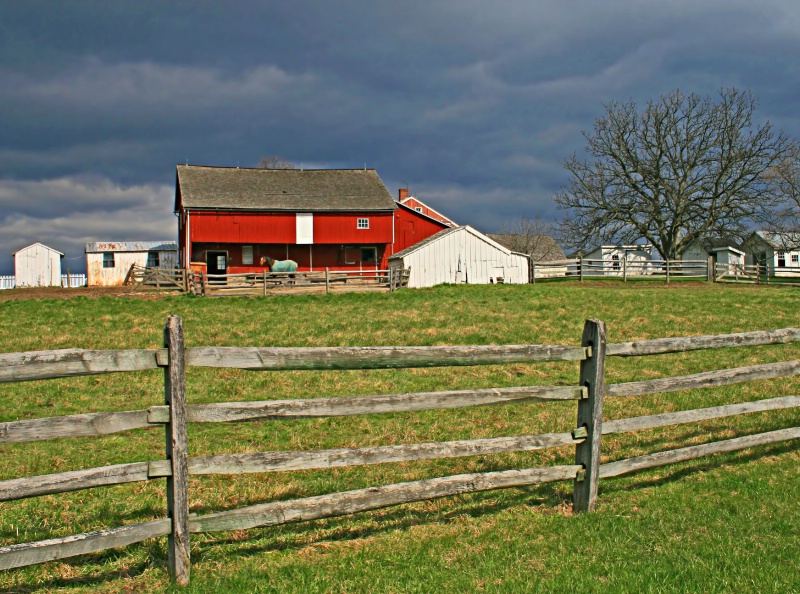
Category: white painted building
[722,251]
[608,260]
[37,266]
[461,255]
[108,263]
[779,251]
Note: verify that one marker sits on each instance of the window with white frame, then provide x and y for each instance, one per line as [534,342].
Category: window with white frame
[362,223]
[418,208]
[108,259]
[795,258]
[247,254]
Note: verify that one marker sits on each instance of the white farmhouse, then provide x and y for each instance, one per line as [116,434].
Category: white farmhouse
[461,255]
[37,266]
[108,263]
[780,252]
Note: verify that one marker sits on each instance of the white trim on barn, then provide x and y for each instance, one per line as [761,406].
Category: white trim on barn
[37,266]
[461,255]
[108,263]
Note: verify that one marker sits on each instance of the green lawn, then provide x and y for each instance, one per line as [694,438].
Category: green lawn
[719,524]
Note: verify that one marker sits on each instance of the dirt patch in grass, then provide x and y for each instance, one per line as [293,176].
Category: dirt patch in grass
[91,292]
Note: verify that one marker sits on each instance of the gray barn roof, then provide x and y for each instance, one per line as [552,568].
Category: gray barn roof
[281,189]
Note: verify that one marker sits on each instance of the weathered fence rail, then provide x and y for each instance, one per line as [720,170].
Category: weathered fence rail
[757,274]
[175,414]
[272,283]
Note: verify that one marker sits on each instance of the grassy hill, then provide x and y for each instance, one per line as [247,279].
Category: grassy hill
[725,523]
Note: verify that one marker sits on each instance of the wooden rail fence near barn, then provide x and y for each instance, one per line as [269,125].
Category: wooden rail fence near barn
[324,281]
[175,414]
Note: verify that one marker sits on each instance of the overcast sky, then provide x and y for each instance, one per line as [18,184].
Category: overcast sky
[473,105]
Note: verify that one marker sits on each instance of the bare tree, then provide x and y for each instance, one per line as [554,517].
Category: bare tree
[532,236]
[685,167]
[784,221]
[275,162]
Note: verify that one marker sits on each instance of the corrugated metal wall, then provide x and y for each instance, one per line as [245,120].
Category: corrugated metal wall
[96,275]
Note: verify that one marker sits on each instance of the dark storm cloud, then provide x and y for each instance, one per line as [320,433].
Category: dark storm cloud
[473,104]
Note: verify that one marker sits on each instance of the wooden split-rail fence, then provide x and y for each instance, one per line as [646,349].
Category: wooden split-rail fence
[174,415]
[273,283]
[163,279]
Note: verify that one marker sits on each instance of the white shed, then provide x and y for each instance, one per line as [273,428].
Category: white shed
[108,263]
[608,260]
[461,255]
[37,266]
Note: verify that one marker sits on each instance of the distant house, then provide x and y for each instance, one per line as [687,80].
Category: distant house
[37,266]
[723,250]
[108,263]
[461,255]
[779,251]
[608,260]
[421,207]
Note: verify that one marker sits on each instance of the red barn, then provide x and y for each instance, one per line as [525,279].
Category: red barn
[345,219]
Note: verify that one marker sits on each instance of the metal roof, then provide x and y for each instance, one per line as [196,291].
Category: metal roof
[281,189]
[130,246]
[445,232]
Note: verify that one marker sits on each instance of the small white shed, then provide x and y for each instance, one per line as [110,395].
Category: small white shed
[37,266]
[108,262]
[461,255]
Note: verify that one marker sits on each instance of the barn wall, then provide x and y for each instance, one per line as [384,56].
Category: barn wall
[97,276]
[37,266]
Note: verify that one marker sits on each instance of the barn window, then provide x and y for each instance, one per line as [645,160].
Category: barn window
[795,258]
[369,255]
[418,208]
[781,259]
[362,224]
[108,259]
[153,260]
[247,254]
[615,262]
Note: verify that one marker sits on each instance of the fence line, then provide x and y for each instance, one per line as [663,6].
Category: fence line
[68,281]
[175,414]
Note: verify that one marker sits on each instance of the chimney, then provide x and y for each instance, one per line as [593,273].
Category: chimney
[402,194]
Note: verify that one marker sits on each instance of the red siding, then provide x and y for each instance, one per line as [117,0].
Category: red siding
[245,228]
[342,228]
[411,228]
[242,227]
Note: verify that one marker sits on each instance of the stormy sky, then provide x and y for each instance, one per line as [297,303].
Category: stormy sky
[473,105]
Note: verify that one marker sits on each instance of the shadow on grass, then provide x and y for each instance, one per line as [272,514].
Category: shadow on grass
[293,537]
[156,558]
[548,498]
[681,470]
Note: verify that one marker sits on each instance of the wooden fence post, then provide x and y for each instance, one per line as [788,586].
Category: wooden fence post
[710,272]
[533,271]
[590,416]
[580,269]
[328,281]
[667,270]
[176,452]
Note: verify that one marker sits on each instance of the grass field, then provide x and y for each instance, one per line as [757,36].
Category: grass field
[720,524]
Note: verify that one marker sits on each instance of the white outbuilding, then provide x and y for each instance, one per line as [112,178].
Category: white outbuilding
[108,262]
[461,255]
[37,266]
